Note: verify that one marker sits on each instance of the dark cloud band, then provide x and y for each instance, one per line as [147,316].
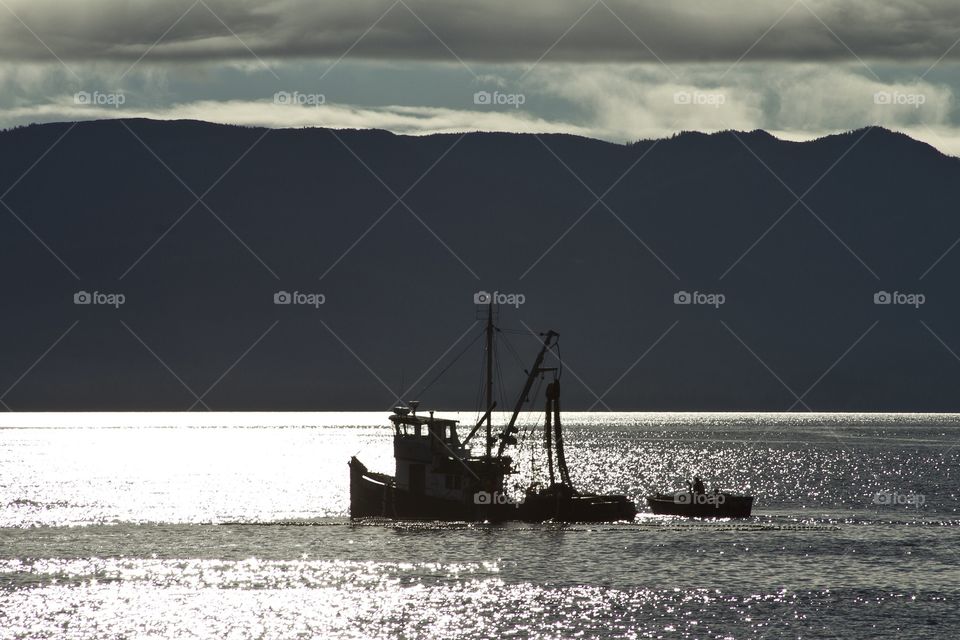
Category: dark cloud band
[485,30]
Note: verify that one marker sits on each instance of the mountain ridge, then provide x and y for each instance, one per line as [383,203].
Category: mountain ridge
[111,206]
[752,134]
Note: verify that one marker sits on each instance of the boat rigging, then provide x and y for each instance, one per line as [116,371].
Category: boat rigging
[437,476]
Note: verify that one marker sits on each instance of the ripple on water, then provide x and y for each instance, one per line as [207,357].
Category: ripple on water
[253,598]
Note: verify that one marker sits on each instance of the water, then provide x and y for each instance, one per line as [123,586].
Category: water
[234,526]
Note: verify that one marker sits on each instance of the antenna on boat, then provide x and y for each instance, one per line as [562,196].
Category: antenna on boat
[489,383]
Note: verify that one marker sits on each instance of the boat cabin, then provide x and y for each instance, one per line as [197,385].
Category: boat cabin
[431,460]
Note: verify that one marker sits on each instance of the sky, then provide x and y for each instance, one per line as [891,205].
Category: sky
[609,69]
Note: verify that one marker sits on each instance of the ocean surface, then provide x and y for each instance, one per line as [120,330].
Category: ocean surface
[234,525]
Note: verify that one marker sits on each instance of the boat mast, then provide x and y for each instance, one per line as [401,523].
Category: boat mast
[490,380]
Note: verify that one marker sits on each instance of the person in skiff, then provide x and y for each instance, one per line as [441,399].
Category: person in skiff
[698,487]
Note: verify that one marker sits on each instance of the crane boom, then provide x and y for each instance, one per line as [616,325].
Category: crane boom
[506,436]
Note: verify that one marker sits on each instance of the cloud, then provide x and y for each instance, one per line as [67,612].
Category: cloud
[610,102]
[490,31]
[641,102]
[802,101]
[398,119]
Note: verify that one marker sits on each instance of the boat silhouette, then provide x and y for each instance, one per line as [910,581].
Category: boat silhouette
[438,477]
[697,504]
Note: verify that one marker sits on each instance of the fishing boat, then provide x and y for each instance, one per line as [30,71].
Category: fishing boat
[439,477]
[694,504]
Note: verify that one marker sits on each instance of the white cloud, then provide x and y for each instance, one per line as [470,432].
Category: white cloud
[802,101]
[620,103]
[812,97]
[643,102]
[399,119]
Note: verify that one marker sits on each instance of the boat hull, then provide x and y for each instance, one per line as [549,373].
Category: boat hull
[723,505]
[576,508]
[374,495]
